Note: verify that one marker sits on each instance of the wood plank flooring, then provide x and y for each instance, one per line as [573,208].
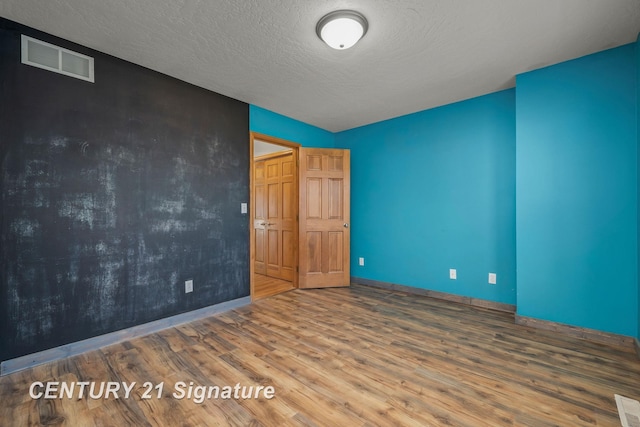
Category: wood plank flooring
[265,286]
[356,356]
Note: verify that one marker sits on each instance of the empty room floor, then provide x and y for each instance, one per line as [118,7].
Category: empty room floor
[356,356]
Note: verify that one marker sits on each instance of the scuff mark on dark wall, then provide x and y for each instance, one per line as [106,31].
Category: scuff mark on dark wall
[113,194]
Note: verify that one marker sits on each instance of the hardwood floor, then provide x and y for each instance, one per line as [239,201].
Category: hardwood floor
[356,356]
[265,286]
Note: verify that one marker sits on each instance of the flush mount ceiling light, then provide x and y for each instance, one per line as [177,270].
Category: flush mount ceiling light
[342,29]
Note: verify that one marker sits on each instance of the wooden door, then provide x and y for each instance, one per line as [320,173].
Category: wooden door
[274,216]
[324,218]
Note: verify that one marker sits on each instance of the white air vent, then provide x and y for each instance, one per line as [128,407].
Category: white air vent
[54,58]
[629,411]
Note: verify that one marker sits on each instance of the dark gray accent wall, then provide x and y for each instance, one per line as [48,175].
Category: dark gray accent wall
[113,194]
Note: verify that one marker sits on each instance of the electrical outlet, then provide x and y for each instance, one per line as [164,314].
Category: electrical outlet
[492,278]
[188,286]
[453,275]
[361,261]
[243,208]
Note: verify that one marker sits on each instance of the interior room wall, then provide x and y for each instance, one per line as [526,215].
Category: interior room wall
[435,190]
[113,194]
[638,166]
[577,192]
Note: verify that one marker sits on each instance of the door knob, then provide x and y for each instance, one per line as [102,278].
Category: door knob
[345,225]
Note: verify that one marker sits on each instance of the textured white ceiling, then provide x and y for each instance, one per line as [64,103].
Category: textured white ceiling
[261,148]
[418,54]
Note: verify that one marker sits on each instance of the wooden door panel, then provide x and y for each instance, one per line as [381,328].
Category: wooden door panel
[287,168]
[273,252]
[314,162]
[287,201]
[258,174]
[324,218]
[336,198]
[259,264]
[259,202]
[273,201]
[336,163]
[313,243]
[314,198]
[287,260]
[334,254]
[273,169]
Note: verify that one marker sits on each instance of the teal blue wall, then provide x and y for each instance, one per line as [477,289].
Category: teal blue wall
[436,190]
[577,192]
[279,126]
[638,173]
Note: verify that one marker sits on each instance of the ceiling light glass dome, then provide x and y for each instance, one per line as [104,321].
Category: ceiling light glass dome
[342,29]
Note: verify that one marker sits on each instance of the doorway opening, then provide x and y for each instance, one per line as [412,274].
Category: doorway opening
[273,215]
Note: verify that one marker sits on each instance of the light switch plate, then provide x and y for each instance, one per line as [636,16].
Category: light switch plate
[243,208]
[188,286]
[453,274]
[492,278]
